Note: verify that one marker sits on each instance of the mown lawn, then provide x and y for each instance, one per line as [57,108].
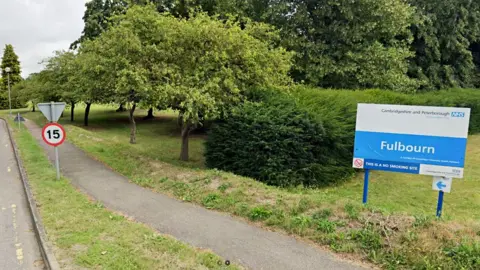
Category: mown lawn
[87,235]
[396,229]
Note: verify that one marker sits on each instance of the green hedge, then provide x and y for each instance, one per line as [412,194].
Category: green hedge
[342,104]
[275,142]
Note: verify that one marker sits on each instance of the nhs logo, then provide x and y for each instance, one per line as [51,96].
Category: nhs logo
[458,114]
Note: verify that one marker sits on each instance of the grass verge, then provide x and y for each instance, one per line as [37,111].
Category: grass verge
[397,230]
[86,234]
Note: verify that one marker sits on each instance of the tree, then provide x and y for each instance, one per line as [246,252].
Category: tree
[200,66]
[98,14]
[340,44]
[346,44]
[122,58]
[36,88]
[210,65]
[97,18]
[64,70]
[445,43]
[10,59]
[94,78]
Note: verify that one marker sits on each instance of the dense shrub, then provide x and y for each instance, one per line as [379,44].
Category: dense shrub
[275,142]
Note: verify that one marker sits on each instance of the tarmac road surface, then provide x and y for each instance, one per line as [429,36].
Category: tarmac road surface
[18,245]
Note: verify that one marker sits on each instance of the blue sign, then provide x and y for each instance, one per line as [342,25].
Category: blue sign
[411,139]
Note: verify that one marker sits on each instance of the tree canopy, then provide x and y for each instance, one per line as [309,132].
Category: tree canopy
[97,16]
[446,43]
[10,60]
[200,66]
[349,44]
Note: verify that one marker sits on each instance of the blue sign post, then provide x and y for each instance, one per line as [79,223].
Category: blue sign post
[442,184]
[411,139]
[440,204]
[365,186]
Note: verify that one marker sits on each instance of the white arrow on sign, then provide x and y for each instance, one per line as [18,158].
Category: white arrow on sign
[442,184]
[53,107]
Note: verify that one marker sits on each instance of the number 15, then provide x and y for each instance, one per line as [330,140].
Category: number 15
[56,134]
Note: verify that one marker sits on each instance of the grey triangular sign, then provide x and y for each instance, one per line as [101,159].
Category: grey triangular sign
[58,108]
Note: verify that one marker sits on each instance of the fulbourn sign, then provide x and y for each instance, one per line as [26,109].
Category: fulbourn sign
[412,139]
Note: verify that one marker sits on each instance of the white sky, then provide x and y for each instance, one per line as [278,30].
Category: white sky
[36,28]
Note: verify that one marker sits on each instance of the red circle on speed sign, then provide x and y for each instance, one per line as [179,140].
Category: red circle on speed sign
[53,134]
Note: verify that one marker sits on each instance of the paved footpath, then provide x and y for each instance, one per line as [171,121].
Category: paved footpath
[18,245]
[232,239]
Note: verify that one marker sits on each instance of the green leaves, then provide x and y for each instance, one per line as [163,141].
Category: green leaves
[347,44]
[445,37]
[401,45]
[97,18]
[10,60]
[199,66]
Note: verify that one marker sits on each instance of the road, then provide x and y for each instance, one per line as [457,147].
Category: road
[18,245]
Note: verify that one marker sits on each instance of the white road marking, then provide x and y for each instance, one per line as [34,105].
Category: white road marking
[20,255]
[19,251]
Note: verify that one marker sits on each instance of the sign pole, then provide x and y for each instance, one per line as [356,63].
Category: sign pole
[53,134]
[365,186]
[440,204]
[57,163]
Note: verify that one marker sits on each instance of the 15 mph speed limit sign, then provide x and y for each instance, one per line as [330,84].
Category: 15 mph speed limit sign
[53,134]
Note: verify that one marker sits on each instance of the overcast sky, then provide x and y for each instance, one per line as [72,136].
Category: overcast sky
[36,28]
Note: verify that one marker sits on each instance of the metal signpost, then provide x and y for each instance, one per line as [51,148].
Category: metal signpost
[442,185]
[53,134]
[412,139]
[8,70]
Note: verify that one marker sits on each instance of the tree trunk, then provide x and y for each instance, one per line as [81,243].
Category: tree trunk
[121,108]
[149,115]
[87,112]
[133,131]
[186,128]
[72,111]
[33,108]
